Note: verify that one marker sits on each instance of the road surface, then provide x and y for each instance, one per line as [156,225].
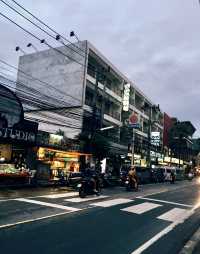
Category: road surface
[158,219]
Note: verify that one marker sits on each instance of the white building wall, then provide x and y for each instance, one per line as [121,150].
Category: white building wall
[63,79]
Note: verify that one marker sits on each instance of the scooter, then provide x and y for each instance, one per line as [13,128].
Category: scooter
[86,187]
[131,185]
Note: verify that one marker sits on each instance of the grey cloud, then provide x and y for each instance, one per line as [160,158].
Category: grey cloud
[155,43]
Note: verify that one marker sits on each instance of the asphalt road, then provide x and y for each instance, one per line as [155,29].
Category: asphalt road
[157,219]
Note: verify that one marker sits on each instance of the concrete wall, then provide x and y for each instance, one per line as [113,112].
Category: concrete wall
[63,75]
[63,81]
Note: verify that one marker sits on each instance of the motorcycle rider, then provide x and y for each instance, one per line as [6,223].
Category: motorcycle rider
[132,175]
[92,175]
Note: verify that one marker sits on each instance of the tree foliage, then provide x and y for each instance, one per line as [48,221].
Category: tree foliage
[179,131]
[98,145]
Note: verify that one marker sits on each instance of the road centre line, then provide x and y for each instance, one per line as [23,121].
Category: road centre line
[166,202]
[48,204]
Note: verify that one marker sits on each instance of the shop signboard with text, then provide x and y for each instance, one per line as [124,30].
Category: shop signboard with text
[134,121]
[155,138]
[13,126]
[126,97]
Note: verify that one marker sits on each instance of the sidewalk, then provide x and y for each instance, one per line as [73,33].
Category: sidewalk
[147,189]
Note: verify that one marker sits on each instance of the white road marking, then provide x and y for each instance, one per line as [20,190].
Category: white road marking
[141,208]
[33,220]
[79,200]
[155,238]
[161,234]
[113,202]
[61,195]
[48,204]
[154,193]
[166,202]
[51,196]
[175,214]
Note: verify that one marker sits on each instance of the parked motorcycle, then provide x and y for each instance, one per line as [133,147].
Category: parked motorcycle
[86,187]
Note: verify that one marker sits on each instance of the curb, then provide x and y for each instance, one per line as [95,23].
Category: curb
[191,244]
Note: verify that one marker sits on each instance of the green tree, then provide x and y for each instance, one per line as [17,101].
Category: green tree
[60,132]
[178,134]
[98,145]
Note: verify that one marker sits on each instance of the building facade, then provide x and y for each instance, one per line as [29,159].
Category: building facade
[84,92]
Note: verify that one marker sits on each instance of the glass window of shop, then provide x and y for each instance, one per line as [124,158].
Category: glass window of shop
[62,162]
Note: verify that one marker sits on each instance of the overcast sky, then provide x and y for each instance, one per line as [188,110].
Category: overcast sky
[156,43]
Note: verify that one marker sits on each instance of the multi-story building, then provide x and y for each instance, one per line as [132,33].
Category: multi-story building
[78,84]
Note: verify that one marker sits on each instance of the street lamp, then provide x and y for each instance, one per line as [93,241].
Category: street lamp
[31,45]
[19,49]
[72,34]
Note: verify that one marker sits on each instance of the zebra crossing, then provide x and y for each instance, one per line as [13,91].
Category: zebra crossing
[140,205]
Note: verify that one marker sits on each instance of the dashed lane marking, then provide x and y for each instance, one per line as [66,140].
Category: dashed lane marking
[79,200]
[141,208]
[48,204]
[112,202]
[164,201]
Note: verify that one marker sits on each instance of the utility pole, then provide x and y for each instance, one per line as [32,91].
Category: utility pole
[133,149]
[149,138]
[94,104]
[103,96]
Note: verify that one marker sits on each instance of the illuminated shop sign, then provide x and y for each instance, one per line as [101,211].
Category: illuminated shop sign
[10,133]
[13,126]
[155,138]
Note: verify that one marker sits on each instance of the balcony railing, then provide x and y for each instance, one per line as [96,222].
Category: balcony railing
[113,114]
[89,102]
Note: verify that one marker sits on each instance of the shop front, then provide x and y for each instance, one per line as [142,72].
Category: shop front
[59,163]
[59,158]
[17,139]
